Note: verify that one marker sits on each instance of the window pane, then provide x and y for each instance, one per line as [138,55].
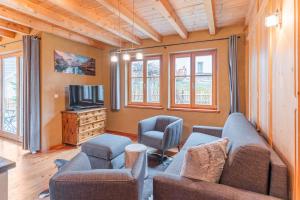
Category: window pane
[137,89]
[153,68]
[153,90]
[203,90]
[183,66]
[182,90]
[9,122]
[137,69]
[203,65]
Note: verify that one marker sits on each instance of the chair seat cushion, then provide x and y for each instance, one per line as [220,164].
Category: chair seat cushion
[153,138]
[106,146]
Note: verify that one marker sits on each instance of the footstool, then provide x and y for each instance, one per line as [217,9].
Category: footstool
[106,151]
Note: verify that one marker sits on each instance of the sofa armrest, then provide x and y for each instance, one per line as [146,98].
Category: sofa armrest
[146,125]
[173,187]
[209,130]
[93,184]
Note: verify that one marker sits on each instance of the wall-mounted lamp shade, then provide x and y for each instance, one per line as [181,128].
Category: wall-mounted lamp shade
[139,56]
[272,20]
[114,58]
[126,57]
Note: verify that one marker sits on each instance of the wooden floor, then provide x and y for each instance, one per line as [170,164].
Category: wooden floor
[32,172]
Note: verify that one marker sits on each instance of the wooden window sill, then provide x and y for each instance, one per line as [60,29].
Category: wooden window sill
[204,110]
[145,107]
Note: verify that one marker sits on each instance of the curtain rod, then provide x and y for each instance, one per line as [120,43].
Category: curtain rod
[172,44]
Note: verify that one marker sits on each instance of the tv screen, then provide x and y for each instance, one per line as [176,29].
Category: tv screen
[85,96]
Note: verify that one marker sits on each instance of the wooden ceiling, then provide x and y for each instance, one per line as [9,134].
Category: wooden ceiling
[115,22]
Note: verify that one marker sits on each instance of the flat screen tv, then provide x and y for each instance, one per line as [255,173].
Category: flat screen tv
[85,96]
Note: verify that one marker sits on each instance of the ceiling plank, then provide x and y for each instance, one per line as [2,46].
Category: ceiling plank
[169,13]
[127,16]
[209,9]
[26,20]
[7,33]
[34,10]
[14,27]
[73,7]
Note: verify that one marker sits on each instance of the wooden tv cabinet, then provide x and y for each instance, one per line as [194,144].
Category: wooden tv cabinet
[80,126]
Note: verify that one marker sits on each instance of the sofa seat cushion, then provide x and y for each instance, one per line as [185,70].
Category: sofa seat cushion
[153,138]
[105,146]
[193,140]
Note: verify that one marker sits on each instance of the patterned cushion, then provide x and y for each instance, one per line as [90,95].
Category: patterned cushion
[205,162]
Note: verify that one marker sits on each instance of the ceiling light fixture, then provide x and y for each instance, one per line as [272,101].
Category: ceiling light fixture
[139,56]
[126,56]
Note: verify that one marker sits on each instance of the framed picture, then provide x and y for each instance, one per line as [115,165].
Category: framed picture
[74,64]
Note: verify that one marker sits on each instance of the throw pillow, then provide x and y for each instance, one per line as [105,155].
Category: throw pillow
[205,162]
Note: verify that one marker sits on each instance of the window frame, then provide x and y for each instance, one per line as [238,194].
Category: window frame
[192,104]
[144,103]
[18,135]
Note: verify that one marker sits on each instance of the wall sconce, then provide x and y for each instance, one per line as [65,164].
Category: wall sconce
[273,20]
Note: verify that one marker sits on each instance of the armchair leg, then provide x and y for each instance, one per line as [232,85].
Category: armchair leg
[162,157]
[178,147]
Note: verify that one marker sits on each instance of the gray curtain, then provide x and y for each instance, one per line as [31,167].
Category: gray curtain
[31,94]
[233,74]
[115,86]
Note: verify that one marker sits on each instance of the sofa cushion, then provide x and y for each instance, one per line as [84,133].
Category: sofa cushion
[153,138]
[247,166]
[105,146]
[193,140]
[205,162]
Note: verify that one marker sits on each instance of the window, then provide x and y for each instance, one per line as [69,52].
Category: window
[11,97]
[144,81]
[193,80]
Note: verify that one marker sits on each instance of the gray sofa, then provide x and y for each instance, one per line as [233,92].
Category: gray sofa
[76,180]
[252,171]
[160,132]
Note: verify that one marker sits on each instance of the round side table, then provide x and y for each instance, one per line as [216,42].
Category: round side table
[132,152]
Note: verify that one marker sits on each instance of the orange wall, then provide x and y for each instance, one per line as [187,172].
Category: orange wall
[126,119]
[54,83]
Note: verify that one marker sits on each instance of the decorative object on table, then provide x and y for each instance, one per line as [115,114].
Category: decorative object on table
[74,64]
[106,151]
[160,132]
[132,152]
[205,162]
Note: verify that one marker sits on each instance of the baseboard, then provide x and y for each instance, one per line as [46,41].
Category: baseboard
[130,135]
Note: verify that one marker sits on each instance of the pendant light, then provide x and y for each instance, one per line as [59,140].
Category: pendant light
[114,58]
[126,56]
[139,56]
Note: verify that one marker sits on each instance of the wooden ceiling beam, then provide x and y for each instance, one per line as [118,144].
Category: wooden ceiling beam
[169,13]
[7,33]
[37,11]
[127,16]
[26,20]
[209,10]
[14,27]
[75,8]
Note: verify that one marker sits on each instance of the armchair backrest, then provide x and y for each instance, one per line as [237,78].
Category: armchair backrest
[162,121]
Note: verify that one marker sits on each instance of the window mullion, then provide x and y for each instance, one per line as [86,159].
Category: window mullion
[145,81]
[192,81]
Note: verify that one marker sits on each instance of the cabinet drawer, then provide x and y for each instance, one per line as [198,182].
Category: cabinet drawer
[87,120]
[91,126]
[91,113]
[88,134]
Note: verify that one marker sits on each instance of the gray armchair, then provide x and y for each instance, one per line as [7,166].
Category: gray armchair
[76,180]
[160,132]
